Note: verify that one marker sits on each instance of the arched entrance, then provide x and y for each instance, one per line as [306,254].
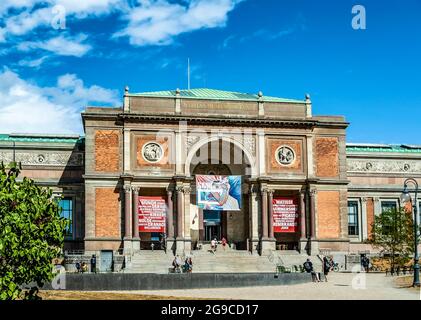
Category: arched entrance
[220,158]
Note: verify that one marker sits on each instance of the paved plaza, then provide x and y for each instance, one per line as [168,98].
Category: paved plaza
[341,286]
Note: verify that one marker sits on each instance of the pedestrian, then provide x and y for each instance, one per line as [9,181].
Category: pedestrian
[365,262]
[175,264]
[326,267]
[93,264]
[224,243]
[84,267]
[213,245]
[308,267]
[78,266]
[332,264]
[190,264]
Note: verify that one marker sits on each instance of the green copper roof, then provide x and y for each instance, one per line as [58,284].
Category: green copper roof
[383,148]
[41,138]
[212,94]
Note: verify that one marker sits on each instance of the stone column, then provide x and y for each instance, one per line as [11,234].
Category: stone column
[270,204]
[303,222]
[135,214]
[127,219]
[180,220]
[170,221]
[187,218]
[314,247]
[170,215]
[264,194]
[127,212]
[268,244]
[254,219]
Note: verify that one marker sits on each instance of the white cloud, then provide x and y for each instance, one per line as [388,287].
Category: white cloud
[33,14]
[61,45]
[32,63]
[29,108]
[157,22]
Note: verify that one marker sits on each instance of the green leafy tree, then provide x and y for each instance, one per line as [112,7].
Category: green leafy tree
[393,234]
[31,235]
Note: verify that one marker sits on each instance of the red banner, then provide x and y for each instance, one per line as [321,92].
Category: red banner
[152,214]
[285,215]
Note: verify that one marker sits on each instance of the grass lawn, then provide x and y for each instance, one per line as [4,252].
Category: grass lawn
[97,295]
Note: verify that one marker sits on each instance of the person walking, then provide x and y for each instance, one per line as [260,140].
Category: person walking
[326,267]
[308,267]
[78,266]
[224,243]
[93,264]
[213,245]
[365,262]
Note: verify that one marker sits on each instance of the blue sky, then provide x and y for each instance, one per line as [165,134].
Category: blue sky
[284,48]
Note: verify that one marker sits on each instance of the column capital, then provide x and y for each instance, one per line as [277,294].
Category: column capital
[312,192]
[187,190]
[364,199]
[135,189]
[264,190]
[179,189]
[270,192]
[127,188]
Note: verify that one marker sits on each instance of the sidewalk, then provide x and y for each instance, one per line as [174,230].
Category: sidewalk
[341,286]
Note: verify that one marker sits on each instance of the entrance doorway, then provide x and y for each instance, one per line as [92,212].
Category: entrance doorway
[212,224]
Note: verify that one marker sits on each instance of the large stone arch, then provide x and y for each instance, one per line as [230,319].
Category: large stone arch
[201,143]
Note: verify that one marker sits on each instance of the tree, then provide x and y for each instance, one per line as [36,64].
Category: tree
[393,233]
[31,235]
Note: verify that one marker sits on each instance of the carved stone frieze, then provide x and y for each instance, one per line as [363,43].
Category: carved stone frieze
[383,166]
[42,158]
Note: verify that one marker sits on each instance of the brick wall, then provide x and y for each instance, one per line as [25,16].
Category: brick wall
[328,214]
[107,150]
[370,215]
[327,157]
[107,213]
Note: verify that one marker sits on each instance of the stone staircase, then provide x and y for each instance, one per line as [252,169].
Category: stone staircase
[228,261]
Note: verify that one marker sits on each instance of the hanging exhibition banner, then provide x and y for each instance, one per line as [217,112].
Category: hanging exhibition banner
[218,192]
[285,215]
[152,214]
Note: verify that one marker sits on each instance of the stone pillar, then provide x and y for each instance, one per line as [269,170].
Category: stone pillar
[270,204]
[187,219]
[267,244]
[170,221]
[303,223]
[314,247]
[127,218]
[264,194]
[180,220]
[135,215]
[254,219]
[170,215]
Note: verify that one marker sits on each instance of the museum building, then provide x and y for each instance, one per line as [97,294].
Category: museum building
[265,173]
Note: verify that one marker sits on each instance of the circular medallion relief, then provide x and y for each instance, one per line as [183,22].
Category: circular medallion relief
[41,158]
[152,152]
[285,155]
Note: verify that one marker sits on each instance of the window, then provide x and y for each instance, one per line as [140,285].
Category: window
[353,218]
[388,206]
[66,205]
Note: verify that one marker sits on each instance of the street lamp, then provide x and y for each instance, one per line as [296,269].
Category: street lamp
[406,198]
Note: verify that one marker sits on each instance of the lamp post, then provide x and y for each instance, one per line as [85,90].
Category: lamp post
[406,198]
